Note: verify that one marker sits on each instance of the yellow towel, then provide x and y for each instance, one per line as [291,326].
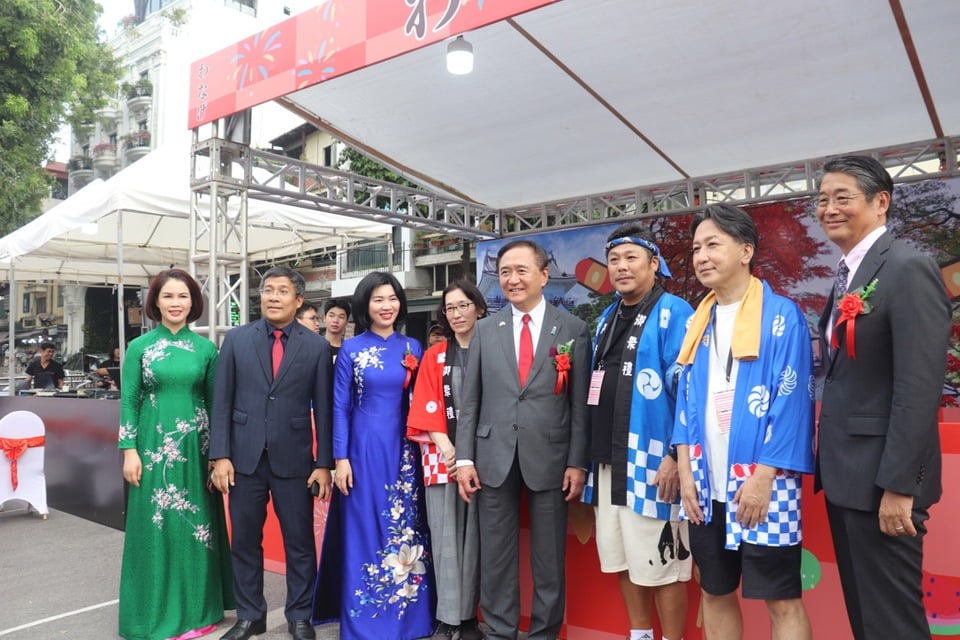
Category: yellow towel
[746,326]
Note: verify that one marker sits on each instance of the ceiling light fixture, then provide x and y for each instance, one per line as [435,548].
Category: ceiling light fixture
[459,57]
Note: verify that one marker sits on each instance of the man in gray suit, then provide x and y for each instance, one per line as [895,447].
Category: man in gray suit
[273,375]
[887,324]
[523,424]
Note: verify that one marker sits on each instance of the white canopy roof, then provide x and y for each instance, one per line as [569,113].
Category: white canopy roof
[145,207]
[587,96]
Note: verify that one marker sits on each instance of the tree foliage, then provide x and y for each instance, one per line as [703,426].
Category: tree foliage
[54,68]
[787,256]
[928,214]
[355,162]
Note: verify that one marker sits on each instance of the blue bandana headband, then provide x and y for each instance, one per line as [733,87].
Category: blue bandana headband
[662,268]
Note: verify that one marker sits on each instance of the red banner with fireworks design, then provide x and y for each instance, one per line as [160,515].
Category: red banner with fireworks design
[333,38]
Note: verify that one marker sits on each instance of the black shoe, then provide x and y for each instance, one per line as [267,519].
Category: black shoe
[445,631]
[245,629]
[470,630]
[301,630]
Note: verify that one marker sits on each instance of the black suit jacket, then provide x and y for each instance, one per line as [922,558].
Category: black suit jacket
[253,412]
[878,420]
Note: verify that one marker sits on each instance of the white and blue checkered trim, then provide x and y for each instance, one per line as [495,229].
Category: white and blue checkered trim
[699,469]
[782,528]
[642,466]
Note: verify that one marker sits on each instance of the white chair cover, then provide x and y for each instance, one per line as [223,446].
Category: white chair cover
[32,485]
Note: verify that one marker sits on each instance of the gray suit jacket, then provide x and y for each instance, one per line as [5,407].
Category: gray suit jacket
[878,421]
[252,411]
[549,432]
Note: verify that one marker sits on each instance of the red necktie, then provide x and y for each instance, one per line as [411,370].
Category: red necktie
[277,353]
[526,350]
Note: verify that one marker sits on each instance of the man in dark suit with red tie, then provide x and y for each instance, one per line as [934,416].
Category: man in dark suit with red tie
[886,329]
[271,374]
[523,425]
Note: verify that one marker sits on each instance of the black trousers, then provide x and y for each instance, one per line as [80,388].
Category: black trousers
[880,575]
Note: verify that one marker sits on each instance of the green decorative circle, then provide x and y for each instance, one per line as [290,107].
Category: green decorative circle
[810,571]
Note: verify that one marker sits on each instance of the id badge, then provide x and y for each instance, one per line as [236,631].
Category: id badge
[723,402]
[596,381]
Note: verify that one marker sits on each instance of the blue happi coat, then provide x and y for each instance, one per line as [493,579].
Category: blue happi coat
[647,437]
[772,421]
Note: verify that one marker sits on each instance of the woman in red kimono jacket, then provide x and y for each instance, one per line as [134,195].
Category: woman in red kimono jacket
[432,421]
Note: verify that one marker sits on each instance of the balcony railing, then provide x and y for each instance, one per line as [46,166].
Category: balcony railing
[136,145]
[108,113]
[136,139]
[80,163]
[357,262]
[81,170]
[105,156]
[141,88]
[139,95]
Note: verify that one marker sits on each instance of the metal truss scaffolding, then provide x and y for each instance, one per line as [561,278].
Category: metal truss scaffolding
[906,163]
[237,173]
[218,234]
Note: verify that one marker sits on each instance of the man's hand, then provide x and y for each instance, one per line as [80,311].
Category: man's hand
[344,476]
[689,497]
[753,497]
[468,480]
[322,478]
[223,475]
[573,480]
[896,514]
[668,480]
[132,467]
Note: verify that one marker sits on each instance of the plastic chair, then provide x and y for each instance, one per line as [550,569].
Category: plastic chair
[22,444]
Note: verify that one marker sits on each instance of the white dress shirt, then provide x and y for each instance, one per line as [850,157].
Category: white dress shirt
[853,261]
[536,323]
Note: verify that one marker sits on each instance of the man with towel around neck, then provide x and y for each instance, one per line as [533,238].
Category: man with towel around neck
[744,432]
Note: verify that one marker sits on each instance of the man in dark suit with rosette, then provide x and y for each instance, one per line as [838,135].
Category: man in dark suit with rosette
[887,324]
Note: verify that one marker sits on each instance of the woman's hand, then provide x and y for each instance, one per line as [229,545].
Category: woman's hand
[344,476]
[447,450]
[450,460]
[132,467]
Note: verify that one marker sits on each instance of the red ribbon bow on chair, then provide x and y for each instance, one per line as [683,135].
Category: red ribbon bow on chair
[13,448]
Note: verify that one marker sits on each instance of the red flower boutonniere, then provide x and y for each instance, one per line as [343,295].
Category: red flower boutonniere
[853,304]
[411,363]
[562,355]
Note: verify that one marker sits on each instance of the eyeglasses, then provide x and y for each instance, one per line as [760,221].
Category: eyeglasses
[460,308]
[841,201]
[270,292]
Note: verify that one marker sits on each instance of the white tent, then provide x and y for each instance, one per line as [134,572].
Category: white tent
[137,223]
[594,96]
[127,229]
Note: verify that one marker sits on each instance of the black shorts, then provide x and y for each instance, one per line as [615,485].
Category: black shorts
[768,573]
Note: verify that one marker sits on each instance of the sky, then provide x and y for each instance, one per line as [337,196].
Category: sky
[113,10]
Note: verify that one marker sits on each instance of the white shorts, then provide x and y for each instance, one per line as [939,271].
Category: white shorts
[654,552]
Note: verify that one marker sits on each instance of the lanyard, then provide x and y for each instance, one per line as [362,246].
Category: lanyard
[643,312]
[608,336]
[729,367]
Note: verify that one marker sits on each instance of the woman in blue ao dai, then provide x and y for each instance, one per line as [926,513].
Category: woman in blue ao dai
[386,588]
